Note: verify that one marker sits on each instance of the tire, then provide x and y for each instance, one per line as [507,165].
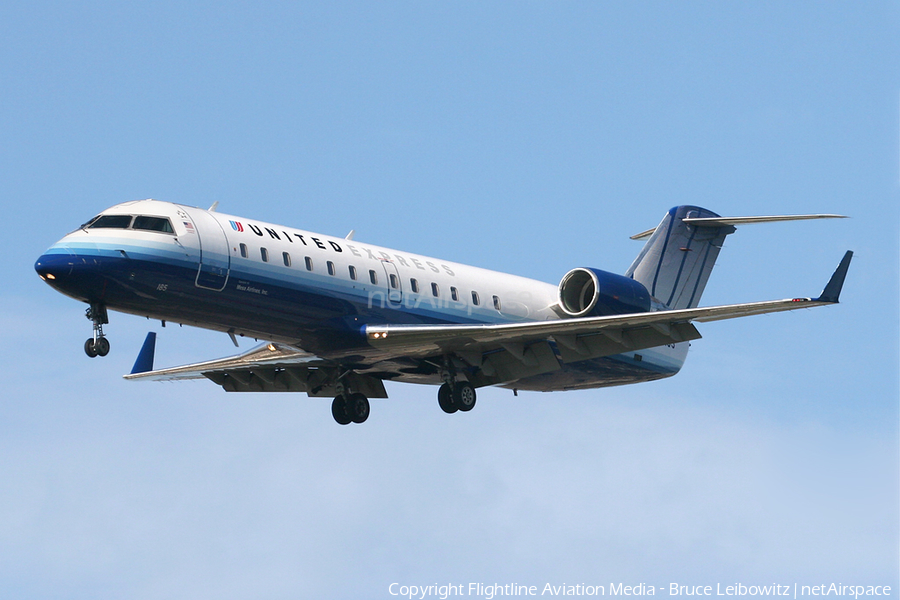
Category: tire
[358,408]
[339,411]
[464,396]
[89,348]
[102,346]
[445,400]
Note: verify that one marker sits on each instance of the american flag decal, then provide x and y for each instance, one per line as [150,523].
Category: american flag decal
[189,226]
[236,225]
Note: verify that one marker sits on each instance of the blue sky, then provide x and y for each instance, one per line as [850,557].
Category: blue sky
[524,137]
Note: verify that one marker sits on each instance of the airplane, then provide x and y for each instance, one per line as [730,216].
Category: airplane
[339,317]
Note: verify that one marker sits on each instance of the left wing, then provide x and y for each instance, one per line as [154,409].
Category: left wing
[501,352]
[428,340]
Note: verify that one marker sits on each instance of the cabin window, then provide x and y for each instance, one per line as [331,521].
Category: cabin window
[454,294]
[496,302]
[373,277]
[352,272]
[414,285]
[264,254]
[111,222]
[244,253]
[395,282]
[160,224]
[475,300]
[331,269]
[287,259]
[435,290]
[309,265]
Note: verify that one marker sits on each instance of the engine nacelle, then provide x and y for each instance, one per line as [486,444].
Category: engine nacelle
[594,293]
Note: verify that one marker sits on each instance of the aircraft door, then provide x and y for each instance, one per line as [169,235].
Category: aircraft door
[215,255]
[393,283]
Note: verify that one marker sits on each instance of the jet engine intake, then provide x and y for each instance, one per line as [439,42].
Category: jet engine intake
[585,292]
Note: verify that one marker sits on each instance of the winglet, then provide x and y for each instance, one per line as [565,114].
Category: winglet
[144,362]
[833,290]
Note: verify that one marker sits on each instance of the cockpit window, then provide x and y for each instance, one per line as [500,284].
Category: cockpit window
[111,222]
[153,224]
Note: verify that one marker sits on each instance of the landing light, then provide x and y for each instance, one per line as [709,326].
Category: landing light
[271,347]
[51,276]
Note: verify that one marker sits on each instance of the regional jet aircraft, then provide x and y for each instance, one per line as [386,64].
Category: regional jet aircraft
[339,317]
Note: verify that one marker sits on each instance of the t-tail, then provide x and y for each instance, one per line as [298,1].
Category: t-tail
[675,263]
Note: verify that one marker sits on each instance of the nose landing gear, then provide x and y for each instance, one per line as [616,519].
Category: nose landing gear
[97,345]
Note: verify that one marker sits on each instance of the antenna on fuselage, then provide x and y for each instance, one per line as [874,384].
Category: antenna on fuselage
[350,235]
[214,206]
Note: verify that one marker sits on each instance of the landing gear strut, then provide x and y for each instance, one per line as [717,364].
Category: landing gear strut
[349,407]
[97,345]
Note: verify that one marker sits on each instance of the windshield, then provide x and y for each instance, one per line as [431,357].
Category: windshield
[110,222]
[153,224]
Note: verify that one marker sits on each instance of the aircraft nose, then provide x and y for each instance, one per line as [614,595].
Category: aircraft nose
[61,267]
[53,264]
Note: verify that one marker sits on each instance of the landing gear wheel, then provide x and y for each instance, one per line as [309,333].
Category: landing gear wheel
[97,345]
[358,408]
[464,396]
[339,411]
[102,346]
[445,399]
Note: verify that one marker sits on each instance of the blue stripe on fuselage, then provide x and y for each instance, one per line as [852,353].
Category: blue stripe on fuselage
[274,302]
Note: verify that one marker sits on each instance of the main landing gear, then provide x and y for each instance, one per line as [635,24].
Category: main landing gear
[97,345]
[458,396]
[454,395]
[349,407]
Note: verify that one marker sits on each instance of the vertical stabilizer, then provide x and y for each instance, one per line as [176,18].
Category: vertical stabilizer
[675,263]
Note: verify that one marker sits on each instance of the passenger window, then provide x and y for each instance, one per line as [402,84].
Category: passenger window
[309,264]
[244,251]
[264,254]
[373,277]
[352,272]
[496,303]
[287,259]
[435,290]
[394,282]
[160,224]
[454,294]
[475,298]
[331,269]
[111,222]
[414,285]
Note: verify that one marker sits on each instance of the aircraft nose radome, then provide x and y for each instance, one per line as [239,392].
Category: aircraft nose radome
[57,266]
[50,266]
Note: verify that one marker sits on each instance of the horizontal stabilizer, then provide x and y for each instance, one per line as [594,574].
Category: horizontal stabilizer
[722,221]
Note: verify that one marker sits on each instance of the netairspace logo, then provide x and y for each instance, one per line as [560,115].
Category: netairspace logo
[490,591]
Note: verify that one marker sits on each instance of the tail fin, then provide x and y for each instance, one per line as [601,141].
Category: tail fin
[675,263]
